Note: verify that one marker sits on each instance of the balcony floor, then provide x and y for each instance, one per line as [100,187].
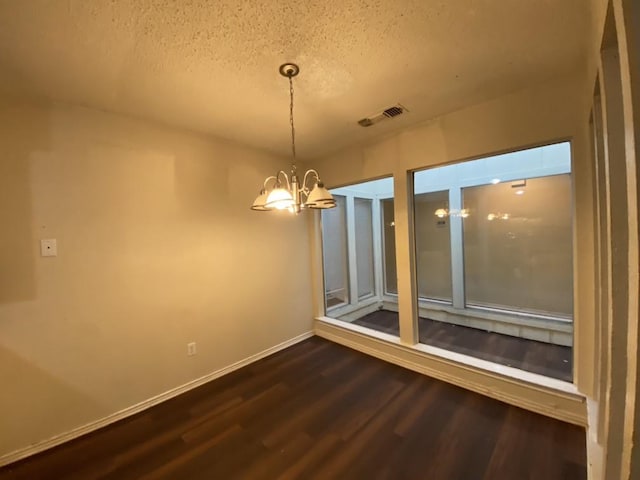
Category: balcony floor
[553,361]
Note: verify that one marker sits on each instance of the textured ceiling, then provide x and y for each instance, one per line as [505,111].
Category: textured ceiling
[213,66]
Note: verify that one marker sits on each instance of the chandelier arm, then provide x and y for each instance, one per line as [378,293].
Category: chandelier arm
[307,173]
[286,177]
[266,180]
[304,194]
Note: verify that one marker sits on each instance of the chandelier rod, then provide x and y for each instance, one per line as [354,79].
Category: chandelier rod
[293,129]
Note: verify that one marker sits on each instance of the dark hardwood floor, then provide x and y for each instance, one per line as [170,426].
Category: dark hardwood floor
[318,410]
[553,361]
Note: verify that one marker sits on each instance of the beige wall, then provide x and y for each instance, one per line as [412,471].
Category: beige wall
[631,85]
[157,247]
[614,57]
[545,113]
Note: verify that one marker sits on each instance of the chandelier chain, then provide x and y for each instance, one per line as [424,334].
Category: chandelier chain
[293,130]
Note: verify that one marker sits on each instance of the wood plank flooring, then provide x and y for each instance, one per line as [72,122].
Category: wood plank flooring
[318,410]
[553,361]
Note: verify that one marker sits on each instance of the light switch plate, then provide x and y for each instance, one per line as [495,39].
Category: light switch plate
[49,247]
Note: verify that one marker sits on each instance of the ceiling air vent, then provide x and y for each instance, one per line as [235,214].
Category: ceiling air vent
[378,117]
[393,111]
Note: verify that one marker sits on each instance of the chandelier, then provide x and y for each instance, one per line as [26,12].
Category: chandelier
[286,192]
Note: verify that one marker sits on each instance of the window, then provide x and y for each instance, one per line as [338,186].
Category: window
[494,259]
[517,246]
[359,256]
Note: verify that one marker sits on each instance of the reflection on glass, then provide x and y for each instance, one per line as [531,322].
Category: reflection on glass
[518,246]
[433,245]
[334,248]
[364,246]
[389,240]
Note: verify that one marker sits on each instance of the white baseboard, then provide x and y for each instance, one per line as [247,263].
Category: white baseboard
[595,451]
[139,407]
[594,459]
[564,405]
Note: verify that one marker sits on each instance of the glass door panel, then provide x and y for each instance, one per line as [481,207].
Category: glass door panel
[334,248]
[433,245]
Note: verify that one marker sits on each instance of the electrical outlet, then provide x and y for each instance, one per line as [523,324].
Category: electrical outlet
[191,349]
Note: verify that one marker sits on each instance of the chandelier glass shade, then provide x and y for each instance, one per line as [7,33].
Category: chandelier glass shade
[286,192]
